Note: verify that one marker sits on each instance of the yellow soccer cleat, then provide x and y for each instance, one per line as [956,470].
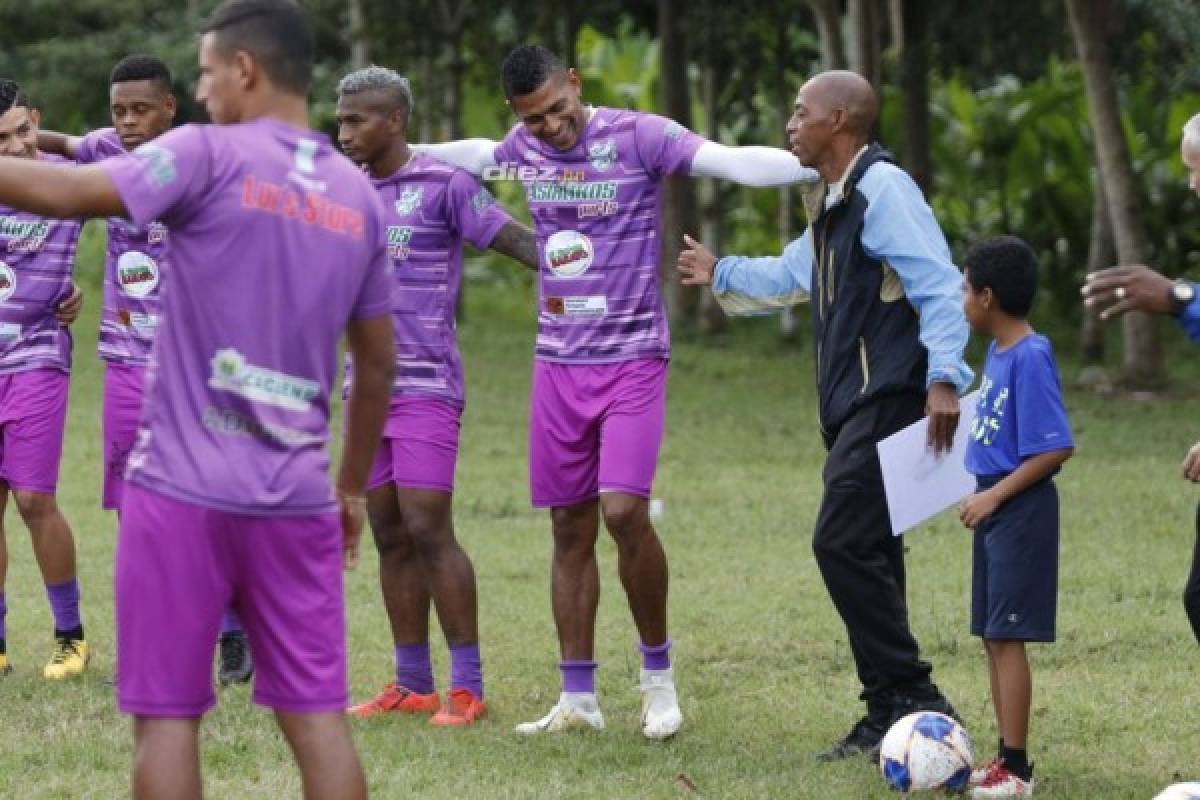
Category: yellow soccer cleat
[71,657]
[5,667]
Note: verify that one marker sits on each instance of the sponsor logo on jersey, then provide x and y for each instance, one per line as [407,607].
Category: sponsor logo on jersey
[8,282]
[569,253]
[398,238]
[602,155]
[137,274]
[571,192]
[232,373]
[160,164]
[409,201]
[482,200]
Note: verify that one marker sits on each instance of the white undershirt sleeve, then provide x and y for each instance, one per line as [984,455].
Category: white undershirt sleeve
[473,155]
[750,166]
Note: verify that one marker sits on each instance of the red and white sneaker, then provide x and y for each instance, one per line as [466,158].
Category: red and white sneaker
[396,700]
[462,708]
[1002,783]
[979,774]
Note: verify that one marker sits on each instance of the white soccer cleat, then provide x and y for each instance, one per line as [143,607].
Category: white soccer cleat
[573,711]
[661,717]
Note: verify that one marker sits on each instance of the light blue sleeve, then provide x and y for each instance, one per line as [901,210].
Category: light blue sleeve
[900,229]
[1190,318]
[753,286]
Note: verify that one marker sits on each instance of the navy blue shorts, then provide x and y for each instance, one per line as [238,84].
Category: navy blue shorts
[1014,581]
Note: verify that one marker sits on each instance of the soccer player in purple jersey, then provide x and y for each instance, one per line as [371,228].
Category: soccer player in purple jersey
[37,256]
[277,247]
[143,108]
[431,208]
[593,181]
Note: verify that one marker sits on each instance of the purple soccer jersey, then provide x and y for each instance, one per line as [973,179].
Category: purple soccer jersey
[277,242]
[596,210]
[37,256]
[133,267]
[430,208]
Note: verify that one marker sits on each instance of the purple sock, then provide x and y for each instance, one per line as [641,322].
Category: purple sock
[230,622]
[3,615]
[64,602]
[656,657]
[466,669]
[414,671]
[578,676]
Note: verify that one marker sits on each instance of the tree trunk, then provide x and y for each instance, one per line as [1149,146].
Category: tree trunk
[357,34]
[679,203]
[1143,365]
[1100,255]
[789,321]
[426,117]
[829,32]
[711,318]
[866,39]
[910,31]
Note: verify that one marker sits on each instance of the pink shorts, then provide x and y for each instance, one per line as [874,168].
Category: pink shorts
[123,391]
[594,428]
[33,417]
[179,566]
[420,445]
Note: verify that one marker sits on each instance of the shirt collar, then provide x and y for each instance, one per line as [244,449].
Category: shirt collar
[834,195]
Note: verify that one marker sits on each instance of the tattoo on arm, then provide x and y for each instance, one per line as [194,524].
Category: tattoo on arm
[517,242]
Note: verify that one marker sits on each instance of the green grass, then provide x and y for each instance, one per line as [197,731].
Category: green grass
[763,666]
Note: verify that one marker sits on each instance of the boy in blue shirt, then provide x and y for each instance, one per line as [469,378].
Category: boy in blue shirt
[1019,440]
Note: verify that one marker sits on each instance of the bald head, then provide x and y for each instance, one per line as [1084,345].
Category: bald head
[848,92]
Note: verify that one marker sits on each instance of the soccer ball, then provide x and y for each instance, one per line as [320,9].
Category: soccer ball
[1180,791]
[926,750]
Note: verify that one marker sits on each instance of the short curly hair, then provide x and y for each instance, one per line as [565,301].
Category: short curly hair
[141,67]
[528,67]
[11,95]
[1007,266]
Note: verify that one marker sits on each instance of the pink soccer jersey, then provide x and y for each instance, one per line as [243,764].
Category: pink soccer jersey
[37,256]
[134,264]
[430,208]
[277,242]
[596,209]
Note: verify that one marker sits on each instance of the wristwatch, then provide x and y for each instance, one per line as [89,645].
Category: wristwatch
[1181,296]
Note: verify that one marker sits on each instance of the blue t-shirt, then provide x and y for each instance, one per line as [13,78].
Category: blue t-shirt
[1020,411]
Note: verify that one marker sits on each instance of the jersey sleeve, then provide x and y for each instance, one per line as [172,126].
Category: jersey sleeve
[1042,423]
[97,146]
[507,150]
[473,211]
[664,146]
[375,295]
[163,179]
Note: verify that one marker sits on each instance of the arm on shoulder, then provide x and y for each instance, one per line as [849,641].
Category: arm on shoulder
[750,165]
[473,155]
[56,190]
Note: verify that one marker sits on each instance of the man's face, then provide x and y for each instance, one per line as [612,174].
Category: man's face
[1191,159]
[18,132]
[554,111]
[366,128]
[141,110]
[219,88]
[812,125]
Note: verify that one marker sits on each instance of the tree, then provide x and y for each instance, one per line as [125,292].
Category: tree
[828,17]
[1143,363]
[679,203]
[910,30]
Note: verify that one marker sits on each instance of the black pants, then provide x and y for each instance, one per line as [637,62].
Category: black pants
[863,563]
[1191,594]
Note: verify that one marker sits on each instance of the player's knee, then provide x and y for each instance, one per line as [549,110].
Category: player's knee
[33,505]
[392,540]
[625,516]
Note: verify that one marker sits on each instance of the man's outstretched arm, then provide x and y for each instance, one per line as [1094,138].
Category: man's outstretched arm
[55,190]
[61,144]
[750,165]
[751,286]
[517,242]
[473,155]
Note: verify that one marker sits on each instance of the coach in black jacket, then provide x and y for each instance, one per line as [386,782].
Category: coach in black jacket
[890,332]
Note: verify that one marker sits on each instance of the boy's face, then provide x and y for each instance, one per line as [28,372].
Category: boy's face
[977,306]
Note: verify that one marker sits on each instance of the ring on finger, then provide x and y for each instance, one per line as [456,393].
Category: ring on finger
[1120,293]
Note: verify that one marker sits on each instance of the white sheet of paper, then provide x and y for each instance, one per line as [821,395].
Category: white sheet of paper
[920,485]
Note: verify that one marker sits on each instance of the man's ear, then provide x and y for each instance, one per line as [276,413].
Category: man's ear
[839,119]
[248,72]
[172,105]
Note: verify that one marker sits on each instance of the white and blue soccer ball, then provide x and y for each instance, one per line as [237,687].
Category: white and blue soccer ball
[1180,791]
[925,751]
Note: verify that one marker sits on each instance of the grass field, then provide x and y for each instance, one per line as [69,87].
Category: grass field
[763,667]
